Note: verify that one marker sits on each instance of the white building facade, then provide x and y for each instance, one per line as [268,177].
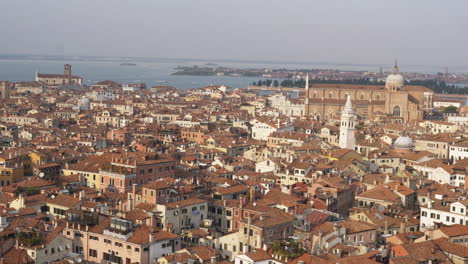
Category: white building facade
[458,151]
[443,212]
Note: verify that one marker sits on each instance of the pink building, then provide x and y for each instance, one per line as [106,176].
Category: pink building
[135,168]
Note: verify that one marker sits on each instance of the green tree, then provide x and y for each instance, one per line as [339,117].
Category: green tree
[450,109]
[32,191]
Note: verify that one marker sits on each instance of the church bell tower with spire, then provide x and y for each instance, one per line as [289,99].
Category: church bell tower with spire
[347,126]
[306,104]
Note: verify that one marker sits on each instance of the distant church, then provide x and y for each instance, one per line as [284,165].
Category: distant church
[394,98]
[59,79]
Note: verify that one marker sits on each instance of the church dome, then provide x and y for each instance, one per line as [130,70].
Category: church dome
[395,81]
[403,142]
[84,103]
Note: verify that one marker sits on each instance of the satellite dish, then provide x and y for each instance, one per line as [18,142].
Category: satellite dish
[79,260]
[41,175]
[53,196]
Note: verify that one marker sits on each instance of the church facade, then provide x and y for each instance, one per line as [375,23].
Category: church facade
[394,98]
[59,79]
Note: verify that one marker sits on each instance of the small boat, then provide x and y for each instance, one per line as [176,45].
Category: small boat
[127,64]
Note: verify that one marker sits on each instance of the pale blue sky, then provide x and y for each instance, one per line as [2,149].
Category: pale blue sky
[431,32]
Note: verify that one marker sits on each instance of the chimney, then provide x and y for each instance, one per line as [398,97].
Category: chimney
[213,260]
[335,227]
[320,238]
[290,189]
[252,194]
[21,201]
[402,227]
[82,195]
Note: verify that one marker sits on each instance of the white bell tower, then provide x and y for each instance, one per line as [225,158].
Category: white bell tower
[347,126]
[307,89]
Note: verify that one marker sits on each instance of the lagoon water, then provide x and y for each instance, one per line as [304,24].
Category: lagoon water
[157,72]
[93,71]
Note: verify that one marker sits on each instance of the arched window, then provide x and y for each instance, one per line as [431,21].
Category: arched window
[362,96]
[330,95]
[396,110]
[378,97]
[315,95]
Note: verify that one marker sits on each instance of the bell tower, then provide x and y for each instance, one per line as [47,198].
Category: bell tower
[5,88]
[67,70]
[306,103]
[347,126]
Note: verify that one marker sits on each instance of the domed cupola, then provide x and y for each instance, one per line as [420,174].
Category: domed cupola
[395,81]
[404,143]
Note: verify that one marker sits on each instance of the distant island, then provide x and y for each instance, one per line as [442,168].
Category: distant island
[225,71]
[127,64]
[439,82]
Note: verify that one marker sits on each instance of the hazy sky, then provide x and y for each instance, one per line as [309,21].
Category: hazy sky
[431,32]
